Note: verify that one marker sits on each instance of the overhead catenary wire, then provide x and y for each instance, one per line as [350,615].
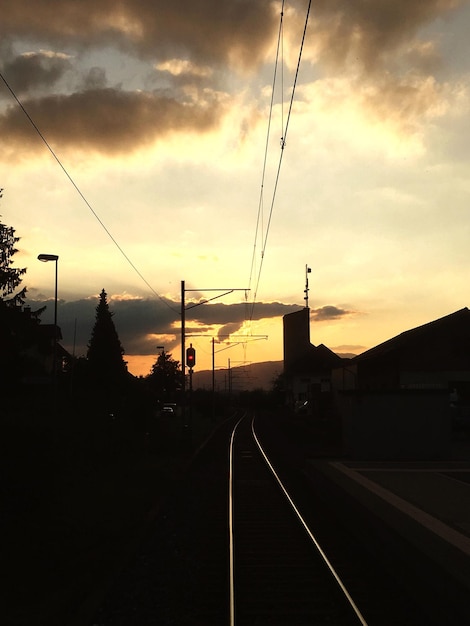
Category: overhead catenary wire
[283,144]
[266,148]
[80,193]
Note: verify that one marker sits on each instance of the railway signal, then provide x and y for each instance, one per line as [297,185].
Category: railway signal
[191,357]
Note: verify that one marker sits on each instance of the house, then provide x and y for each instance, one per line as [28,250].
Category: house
[433,356]
[394,399]
[31,354]
[43,353]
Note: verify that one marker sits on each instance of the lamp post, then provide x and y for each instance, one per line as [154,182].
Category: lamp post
[45,258]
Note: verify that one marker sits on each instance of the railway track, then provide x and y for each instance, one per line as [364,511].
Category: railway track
[233,547]
[279,573]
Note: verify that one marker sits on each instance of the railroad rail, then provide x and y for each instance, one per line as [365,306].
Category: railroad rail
[279,573]
[242,543]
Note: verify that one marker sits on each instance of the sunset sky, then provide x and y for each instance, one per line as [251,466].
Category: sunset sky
[135,145]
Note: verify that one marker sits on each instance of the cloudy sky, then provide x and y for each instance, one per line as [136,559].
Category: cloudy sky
[141,141]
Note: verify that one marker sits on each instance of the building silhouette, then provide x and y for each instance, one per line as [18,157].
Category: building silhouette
[398,400]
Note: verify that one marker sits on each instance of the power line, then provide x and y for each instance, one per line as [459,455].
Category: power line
[264,237]
[268,132]
[78,190]
[283,143]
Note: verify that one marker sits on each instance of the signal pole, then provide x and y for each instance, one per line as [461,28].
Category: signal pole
[190,362]
[183,328]
[225,291]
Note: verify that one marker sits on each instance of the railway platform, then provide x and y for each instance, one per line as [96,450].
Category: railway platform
[427,504]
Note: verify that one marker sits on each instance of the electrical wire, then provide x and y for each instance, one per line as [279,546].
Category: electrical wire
[264,238]
[283,143]
[82,196]
[268,133]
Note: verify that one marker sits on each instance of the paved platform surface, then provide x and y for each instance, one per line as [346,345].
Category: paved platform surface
[428,503]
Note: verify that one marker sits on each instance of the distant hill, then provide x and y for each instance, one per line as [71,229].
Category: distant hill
[244,378]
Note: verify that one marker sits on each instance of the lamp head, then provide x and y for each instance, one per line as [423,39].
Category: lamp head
[48,257]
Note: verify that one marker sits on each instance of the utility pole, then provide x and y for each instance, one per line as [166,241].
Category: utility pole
[225,291]
[190,362]
[244,339]
[213,372]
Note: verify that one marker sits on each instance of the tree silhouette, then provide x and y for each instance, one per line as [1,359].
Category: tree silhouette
[165,376]
[10,277]
[18,326]
[105,352]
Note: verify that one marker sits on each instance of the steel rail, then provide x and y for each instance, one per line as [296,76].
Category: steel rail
[230,522]
[307,529]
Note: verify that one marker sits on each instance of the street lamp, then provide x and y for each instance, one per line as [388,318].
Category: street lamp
[45,258]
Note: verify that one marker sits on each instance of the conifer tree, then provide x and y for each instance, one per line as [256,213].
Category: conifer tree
[10,277]
[17,326]
[105,352]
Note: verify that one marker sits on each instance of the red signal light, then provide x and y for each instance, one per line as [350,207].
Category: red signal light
[190,357]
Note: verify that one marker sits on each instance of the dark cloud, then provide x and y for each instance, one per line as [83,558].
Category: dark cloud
[233,31]
[228,329]
[142,323]
[383,49]
[35,70]
[95,79]
[237,313]
[206,37]
[205,34]
[104,120]
[329,312]
[366,31]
